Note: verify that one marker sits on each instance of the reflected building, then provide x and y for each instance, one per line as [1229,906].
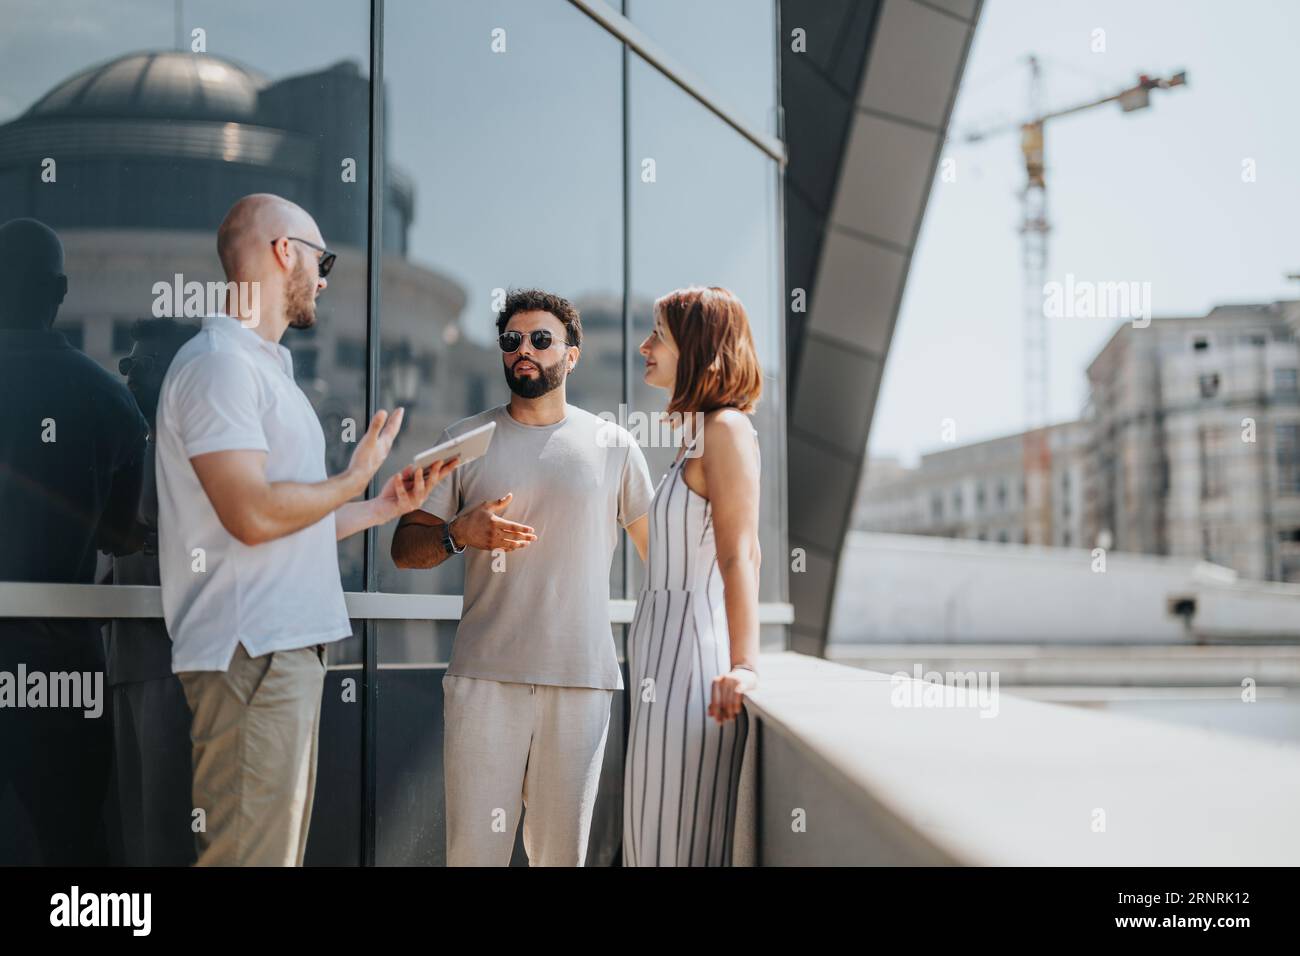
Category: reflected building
[136,161]
[166,140]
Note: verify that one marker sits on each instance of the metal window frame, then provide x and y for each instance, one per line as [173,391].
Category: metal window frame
[650,51]
[107,602]
[369,835]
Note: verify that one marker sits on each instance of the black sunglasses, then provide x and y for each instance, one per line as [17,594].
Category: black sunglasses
[326,259]
[510,341]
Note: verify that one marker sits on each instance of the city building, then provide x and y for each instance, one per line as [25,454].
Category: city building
[1195,440]
[1189,447]
[984,491]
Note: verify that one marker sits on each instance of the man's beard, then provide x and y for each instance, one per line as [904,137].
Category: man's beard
[300,303]
[549,377]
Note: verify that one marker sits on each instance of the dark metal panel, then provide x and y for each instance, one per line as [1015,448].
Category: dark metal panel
[821,478]
[818,89]
[829,406]
[846,381]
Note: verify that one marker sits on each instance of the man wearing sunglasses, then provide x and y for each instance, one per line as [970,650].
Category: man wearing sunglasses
[533,669]
[247,525]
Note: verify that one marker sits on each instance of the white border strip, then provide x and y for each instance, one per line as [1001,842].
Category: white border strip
[102,602]
[656,56]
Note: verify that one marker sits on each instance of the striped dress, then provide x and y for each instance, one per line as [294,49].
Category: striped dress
[682,770]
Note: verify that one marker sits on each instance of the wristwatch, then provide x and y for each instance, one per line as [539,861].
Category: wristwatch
[449,543]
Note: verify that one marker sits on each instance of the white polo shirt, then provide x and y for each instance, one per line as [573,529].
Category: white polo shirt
[227,389]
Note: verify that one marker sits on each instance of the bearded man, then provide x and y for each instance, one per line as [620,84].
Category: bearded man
[533,669]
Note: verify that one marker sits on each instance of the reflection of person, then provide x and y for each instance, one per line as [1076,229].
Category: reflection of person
[693,645]
[247,528]
[151,720]
[71,446]
[533,669]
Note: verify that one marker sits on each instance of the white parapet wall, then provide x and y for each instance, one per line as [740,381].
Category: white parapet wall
[898,588]
[854,767]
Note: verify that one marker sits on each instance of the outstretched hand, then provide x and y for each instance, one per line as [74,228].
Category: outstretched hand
[372,451]
[482,527]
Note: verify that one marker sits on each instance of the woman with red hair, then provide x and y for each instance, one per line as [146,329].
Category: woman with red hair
[693,646]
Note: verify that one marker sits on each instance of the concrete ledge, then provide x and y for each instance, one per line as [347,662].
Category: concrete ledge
[1033,784]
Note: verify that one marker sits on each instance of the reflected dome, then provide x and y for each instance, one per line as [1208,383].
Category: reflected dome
[163,85]
[132,135]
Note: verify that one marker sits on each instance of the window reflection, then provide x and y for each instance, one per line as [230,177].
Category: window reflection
[709,216]
[728,44]
[134,156]
[517,147]
[130,137]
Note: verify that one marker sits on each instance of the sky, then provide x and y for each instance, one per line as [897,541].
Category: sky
[1153,196]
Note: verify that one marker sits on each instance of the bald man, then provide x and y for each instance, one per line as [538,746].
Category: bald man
[247,526]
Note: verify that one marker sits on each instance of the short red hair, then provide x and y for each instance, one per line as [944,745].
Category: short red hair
[717,365]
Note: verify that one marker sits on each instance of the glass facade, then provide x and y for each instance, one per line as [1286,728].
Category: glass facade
[514,141]
[709,216]
[729,45]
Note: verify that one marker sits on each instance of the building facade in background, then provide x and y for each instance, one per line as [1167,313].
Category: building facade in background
[1195,440]
[984,491]
[1189,447]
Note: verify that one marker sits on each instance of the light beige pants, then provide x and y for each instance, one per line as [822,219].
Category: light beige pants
[254,732]
[505,744]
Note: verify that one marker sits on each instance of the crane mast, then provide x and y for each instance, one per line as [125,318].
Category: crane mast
[1035,232]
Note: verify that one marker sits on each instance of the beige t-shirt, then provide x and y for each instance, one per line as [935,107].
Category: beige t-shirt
[542,616]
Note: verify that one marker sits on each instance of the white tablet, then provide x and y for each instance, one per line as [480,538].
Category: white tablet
[473,444]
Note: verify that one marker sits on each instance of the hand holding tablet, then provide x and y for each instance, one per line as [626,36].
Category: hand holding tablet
[467,447]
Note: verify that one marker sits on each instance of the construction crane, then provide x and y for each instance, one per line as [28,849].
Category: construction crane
[1035,228]
[1034,225]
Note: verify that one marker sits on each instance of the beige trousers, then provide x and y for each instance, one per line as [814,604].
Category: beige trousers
[254,733]
[505,744]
